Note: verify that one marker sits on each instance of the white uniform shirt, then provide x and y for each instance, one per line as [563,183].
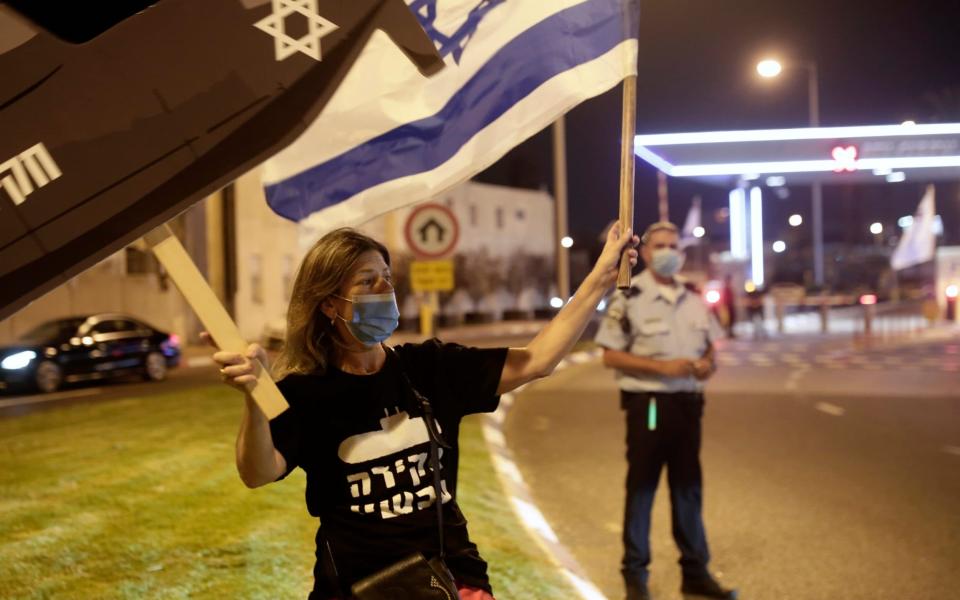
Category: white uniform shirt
[643,321]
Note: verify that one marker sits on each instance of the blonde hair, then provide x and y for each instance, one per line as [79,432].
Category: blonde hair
[309,346]
[655,227]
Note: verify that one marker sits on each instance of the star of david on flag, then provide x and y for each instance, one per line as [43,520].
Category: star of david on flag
[390,137]
[285,45]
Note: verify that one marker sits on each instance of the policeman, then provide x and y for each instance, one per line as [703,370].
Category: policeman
[658,336]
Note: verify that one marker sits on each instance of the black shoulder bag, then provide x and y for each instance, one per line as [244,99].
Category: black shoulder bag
[415,577]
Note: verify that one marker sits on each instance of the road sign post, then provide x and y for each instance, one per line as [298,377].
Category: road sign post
[432,232]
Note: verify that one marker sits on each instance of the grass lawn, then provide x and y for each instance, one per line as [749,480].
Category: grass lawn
[139,498]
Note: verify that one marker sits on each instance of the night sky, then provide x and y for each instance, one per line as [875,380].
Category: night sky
[879,62]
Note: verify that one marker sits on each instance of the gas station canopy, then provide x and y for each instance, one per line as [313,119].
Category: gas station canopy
[830,155]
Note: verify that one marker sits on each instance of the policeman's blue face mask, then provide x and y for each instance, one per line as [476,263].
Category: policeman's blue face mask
[375,317]
[666,262]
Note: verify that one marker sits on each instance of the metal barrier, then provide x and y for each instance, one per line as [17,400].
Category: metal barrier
[849,314]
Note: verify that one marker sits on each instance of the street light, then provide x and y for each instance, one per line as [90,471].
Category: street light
[779,246]
[566,241]
[770,68]
[699,232]
[876,228]
[795,220]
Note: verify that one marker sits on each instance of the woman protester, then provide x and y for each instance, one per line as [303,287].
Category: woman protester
[355,424]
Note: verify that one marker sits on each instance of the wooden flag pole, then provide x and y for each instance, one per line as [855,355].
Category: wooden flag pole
[187,277]
[627,163]
[663,204]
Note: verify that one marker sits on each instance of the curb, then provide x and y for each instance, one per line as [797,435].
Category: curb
[521,500]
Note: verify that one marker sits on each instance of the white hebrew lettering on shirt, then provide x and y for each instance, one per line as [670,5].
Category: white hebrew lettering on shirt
[398,432]
[387,475]
[367,508]
[429,495]
[364,480]
[35,162]
[403,502]
[399,504]
[418,471]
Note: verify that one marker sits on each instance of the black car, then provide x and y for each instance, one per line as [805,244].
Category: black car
[84,348]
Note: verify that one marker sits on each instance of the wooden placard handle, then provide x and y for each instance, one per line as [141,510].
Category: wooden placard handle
[225,333]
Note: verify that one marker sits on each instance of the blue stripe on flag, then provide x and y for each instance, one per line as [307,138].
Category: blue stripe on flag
[517,69]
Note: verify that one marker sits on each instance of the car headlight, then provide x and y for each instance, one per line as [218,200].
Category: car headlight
[18,360]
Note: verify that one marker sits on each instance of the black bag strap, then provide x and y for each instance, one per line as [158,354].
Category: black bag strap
[436,442]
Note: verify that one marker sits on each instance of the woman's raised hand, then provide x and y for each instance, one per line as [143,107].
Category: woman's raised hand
[239,371]
[608,265]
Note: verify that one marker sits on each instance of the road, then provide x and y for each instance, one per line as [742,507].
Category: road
[181,378]
[823,478]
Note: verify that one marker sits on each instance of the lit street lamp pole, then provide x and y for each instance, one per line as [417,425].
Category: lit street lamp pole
[770,68]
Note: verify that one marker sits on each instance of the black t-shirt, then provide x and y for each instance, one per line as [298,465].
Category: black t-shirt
[364,447]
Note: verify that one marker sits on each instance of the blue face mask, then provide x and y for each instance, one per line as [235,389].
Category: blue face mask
[375,317]
[667,262]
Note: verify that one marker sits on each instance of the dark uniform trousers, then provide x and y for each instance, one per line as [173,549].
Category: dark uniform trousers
[675,442]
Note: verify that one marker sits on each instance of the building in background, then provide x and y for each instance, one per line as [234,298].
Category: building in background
[504,259]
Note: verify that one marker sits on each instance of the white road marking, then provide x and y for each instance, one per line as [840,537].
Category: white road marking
[830,409]
[521,499]
[793,378]
[24,400]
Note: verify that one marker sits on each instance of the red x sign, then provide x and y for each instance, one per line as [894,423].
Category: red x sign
[846,158]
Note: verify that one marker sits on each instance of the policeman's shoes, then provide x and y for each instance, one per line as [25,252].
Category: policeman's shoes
[638,591]
[706,588]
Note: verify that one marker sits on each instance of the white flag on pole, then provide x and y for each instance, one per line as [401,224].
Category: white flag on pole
[390,137]
[918,242]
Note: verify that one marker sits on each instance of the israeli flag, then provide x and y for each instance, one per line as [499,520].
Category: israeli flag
[390,137]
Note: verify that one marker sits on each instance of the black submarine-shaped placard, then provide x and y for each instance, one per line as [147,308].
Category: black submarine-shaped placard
[112,123]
